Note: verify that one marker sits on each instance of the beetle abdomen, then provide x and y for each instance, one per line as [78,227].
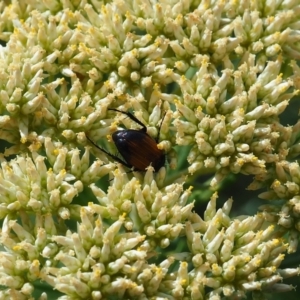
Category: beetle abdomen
[139,149]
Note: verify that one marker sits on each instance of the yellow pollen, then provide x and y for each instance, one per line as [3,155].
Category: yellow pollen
[183,282]
[23,140]
[56,152]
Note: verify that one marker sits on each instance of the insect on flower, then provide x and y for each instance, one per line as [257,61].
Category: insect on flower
[138,149]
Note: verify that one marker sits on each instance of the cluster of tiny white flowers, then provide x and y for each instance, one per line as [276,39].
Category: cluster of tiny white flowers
[109,253]
[27,184]
[215,72]
[234,256]
[241,134]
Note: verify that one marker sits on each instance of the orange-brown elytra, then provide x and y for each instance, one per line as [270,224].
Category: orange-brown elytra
[138,149]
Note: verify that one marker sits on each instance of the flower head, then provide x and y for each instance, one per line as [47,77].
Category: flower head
[220,72]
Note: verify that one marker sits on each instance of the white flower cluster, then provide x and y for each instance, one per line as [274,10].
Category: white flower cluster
[114,240]
[234,256]
[222,73]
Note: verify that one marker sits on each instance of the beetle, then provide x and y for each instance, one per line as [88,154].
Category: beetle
[138,149]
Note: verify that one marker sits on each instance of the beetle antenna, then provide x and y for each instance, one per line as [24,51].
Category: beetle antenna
[132,117]
[109,154]
[158,134]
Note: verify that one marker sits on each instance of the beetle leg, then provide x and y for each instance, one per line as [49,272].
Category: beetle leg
[132,117]
[109,154]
